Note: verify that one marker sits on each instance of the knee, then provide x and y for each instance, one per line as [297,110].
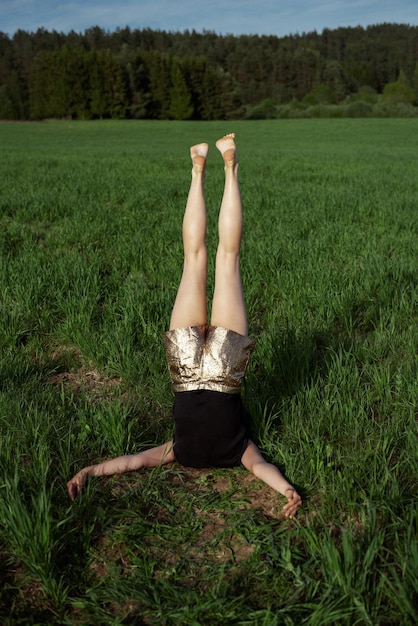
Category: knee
[196,257]
[227,259]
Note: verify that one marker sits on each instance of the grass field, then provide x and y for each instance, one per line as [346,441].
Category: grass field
[90,261]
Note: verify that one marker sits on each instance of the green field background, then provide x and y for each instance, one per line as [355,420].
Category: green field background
[90,260]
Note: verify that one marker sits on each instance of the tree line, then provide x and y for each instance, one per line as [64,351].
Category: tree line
[201,76]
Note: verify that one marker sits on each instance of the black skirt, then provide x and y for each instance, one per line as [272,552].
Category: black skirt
[210,428]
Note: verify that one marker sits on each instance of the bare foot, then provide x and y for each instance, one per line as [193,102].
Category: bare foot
[198,155]
[226,146]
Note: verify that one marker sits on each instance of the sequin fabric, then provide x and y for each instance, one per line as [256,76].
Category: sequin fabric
[207,357]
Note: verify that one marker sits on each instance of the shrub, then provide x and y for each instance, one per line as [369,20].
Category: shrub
[387,108]
[399,91]
[323,111]
[265,110]
[358,108]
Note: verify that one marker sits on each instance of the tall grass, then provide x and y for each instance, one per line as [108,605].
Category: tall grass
[90,217]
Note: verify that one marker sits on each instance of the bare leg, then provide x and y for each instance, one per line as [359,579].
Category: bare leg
[253,460]
[228,308]
[122,464]
[190,304]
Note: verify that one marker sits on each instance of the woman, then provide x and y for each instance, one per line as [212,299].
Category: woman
[207,363]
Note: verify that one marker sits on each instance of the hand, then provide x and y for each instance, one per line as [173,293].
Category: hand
[75,485]
[294,501]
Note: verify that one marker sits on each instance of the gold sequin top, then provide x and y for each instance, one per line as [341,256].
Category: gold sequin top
[207,357]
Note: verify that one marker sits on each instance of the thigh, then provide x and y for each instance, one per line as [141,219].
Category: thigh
[190,305]
[228,307]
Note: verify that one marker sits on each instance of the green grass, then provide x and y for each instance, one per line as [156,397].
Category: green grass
[90,259]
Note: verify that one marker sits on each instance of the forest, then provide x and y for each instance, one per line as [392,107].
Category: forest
[146,74]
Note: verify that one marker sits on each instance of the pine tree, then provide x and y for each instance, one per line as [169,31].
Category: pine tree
[100,83]
[415,83]
[160,84]
[181,107]
[119,105]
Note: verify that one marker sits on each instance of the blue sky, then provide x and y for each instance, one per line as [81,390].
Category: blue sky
[271,17]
